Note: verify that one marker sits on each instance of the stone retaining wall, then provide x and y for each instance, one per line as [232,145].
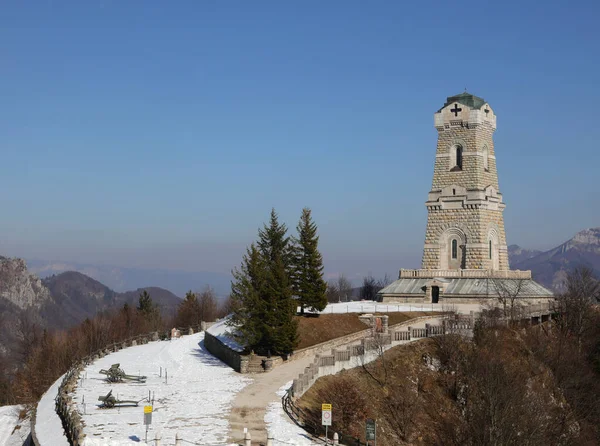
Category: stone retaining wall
[232,358]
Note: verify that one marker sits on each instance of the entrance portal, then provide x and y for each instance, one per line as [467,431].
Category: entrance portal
[435,294]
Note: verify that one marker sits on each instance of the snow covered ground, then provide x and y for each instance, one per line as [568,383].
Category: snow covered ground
[194,401]
[279,425]
[376,307]
[220,330]
[13,431]
[48,427]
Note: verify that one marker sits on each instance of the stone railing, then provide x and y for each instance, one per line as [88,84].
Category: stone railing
[463,273]
[370,347]
[66,407]
[352,356]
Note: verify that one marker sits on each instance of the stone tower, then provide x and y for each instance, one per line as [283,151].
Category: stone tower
[465,227]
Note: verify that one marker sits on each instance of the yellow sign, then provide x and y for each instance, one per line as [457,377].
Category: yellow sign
[325,406]
[147,409]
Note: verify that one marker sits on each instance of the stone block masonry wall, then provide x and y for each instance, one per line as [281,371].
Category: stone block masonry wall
[473,218]
[233,359]
[475,225]
[473,175]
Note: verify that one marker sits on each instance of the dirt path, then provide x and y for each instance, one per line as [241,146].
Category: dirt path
[250,405]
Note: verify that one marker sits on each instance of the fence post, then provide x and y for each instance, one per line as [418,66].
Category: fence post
[336,438]
[157,439]
[247,439]
[269,439]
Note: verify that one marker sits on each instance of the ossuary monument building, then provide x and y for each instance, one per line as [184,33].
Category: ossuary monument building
[465,255]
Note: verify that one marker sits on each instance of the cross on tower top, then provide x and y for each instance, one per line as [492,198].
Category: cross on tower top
[455,110]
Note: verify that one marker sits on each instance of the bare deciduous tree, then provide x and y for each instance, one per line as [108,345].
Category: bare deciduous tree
[582,291]
[508,292]
[339,290]
[208,304]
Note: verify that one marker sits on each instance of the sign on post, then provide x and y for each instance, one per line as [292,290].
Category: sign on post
[370,434]
[147,415]
[326,419]
[147,419]
[326,414]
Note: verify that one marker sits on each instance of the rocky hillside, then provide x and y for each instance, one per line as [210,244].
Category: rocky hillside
[517,254]
[19,286]
[59,301]
[550,267]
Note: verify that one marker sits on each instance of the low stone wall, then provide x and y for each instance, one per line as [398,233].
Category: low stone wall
[240,363]
[369,349]
[66,408]
[351,338]
[233,359]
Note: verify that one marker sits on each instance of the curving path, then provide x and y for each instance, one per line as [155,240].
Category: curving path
[194,401]
[263,397]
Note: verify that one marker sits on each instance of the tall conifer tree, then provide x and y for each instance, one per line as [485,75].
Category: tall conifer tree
[308,283]
[247,303]
[275,248]
[262,304]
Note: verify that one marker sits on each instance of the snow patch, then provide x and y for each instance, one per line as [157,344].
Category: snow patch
[374,307]
[194,401]
[222,332]
[48,427]
[281,427]
[13,431]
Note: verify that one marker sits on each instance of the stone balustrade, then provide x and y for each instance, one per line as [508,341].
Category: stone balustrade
[463,273]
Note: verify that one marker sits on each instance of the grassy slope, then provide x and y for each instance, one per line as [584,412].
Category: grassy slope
[314,330]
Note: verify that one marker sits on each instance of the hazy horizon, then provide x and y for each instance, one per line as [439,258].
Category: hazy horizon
[160,137]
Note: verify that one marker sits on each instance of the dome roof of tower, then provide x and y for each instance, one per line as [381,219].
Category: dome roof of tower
[468,99]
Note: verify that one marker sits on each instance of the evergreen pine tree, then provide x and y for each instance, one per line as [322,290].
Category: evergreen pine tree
[308,283]
[145,304]
[247,305]
[281,326]
[188,311]
[263,309]
[149,311]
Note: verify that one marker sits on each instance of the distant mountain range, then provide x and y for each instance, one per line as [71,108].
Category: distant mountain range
[123,279]
[550,267]
[61,300]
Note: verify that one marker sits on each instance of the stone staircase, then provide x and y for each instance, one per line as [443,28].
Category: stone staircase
[256,364]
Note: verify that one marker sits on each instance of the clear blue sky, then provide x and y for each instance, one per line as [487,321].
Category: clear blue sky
[160,134]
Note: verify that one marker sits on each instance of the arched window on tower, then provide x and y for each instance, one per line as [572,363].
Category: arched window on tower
[456,158]
[454,248]
[486,156]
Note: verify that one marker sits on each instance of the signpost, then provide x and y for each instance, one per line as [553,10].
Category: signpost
[326,418]
[371,433]
[147,419]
